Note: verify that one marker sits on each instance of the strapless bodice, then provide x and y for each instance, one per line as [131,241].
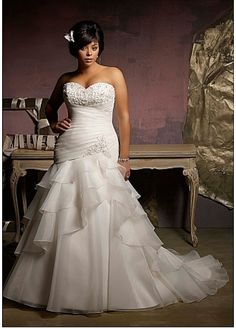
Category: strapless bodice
[97,94]
[91,112]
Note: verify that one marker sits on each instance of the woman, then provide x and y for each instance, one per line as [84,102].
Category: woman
[89,246]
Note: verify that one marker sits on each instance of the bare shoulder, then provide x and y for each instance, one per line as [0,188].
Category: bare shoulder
[115,72]
[56,95]
[115,75]
[65,77]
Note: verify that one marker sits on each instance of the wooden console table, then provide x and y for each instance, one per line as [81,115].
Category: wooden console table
[151,156]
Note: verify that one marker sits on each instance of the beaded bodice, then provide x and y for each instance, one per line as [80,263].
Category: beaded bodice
[96,94]
[91,132]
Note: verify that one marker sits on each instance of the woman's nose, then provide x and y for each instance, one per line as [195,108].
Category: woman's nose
[89,52]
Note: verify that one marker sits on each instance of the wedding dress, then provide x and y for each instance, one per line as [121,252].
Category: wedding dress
[89,246]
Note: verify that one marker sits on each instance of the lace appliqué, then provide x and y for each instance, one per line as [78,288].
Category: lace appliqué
[99,147]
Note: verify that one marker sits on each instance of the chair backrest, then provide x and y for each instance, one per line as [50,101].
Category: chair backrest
[35,107]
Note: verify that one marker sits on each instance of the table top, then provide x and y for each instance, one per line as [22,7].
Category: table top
[162,150]
[136,151]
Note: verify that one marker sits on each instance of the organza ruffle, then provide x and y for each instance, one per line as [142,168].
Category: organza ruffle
[90,247]
[79,187]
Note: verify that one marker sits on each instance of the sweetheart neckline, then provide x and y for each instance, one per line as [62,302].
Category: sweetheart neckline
[91,85]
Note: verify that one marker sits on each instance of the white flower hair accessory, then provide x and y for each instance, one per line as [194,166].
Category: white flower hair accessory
[70,36]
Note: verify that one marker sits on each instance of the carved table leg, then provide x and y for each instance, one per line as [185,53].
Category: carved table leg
[24,203]
[14,179]
[193,182]
[23,197]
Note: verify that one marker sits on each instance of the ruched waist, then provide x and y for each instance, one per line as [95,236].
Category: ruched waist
[82,141]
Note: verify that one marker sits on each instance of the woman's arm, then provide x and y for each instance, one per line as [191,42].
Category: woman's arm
[52,107]
[121,106]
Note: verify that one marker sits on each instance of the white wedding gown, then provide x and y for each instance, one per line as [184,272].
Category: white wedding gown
[89,246]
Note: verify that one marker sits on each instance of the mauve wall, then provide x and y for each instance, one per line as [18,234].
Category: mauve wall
[149,40]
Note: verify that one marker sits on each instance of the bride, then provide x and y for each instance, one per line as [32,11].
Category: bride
[89,247]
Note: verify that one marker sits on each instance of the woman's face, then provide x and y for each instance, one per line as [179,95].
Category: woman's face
[89,53]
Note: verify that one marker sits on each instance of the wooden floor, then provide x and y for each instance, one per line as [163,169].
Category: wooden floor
[216,311]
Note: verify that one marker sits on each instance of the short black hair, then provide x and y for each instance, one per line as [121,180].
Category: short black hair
[84,32]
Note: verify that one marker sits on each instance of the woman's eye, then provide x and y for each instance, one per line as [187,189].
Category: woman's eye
[84,48]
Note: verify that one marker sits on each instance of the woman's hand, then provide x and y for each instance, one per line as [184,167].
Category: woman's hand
[125,169]
[61,126]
